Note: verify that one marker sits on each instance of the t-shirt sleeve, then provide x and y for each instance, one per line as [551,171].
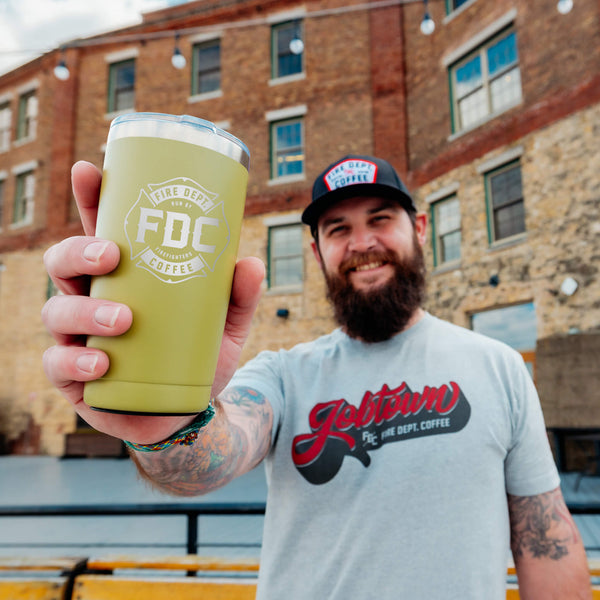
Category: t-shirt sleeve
[529,465]
[263,374]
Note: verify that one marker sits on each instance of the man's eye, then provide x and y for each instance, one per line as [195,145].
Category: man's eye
[336,230]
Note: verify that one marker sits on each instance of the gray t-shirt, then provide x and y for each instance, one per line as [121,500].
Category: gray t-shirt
[390,464]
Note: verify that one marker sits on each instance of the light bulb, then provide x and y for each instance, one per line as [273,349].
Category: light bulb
[296,46]
[61,71]
[564,6]
[427,25]
[178,59]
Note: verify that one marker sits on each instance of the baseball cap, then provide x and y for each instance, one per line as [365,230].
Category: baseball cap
[355,175]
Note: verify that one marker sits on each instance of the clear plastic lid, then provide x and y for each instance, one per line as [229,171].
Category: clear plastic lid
[182,128]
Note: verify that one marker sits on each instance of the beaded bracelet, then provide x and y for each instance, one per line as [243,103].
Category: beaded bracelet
[184,437]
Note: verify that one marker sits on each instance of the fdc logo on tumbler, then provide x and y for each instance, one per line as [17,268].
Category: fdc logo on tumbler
[176,230]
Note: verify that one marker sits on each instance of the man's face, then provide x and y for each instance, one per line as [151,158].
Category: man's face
[372,259]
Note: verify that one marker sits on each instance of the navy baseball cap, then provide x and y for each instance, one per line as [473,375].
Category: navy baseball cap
[353,176]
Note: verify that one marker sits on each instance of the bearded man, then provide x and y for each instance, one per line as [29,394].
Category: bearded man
[404,455]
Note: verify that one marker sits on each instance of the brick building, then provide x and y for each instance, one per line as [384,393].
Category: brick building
[493,121]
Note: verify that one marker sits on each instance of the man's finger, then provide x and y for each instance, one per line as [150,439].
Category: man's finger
[70,262]
[86,180]
[69,316]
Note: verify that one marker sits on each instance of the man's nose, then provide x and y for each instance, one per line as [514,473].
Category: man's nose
[362,240]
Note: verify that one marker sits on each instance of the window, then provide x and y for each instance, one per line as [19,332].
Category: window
[287,143]
[506,209]
[121,86]
[446,230]
[5,126]
[514,325]
[486,82]
[206,73]
[285,255]
[287,57]
[23,206]
[28,113]
[452,5]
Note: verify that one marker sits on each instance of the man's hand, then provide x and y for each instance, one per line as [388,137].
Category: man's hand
[71,317]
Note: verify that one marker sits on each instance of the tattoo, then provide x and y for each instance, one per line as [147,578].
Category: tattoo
[541,526]
[235,441]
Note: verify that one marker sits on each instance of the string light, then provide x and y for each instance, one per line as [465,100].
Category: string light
[178,59]
[564,6]
[61,71]
[427,24]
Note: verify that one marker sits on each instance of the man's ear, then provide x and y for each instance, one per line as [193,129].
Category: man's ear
[421,227]
[317,254]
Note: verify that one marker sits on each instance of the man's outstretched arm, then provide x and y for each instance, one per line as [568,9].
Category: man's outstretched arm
[547,549]
[234,442]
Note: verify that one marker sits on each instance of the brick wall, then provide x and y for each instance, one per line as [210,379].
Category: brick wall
[373,83]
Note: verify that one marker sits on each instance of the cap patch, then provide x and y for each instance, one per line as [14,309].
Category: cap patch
[350,172]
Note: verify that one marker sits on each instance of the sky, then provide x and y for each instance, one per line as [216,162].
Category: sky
[29,28]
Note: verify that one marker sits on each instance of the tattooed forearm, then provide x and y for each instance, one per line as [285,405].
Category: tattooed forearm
[541,526]
[234,442]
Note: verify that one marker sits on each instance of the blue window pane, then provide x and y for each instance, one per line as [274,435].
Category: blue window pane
[288,136]
[513,325]
[468,77]
[502,54]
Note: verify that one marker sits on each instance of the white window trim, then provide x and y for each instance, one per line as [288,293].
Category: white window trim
[287,15]
[286,113]
[30,86]
[479,39]
[205,96]
[3,175]
[287,79]
[286,179]
[206,37]
[8,97]
[122,55]
[280,220]
[31,165]
[501,160]
[442,193]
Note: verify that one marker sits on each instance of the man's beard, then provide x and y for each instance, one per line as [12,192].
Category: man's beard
[379,314]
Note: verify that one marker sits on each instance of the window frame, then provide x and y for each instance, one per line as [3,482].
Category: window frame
[491,210]
[196,78]
[527,352]
[23,203]
[114,92]
[6,128]
[297,22]
[274,151]
[480,50]
[436,237]
[26,123]
[272,284]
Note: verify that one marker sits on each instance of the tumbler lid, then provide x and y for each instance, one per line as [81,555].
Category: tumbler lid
[182,128]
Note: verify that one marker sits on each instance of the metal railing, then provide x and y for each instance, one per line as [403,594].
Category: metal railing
[190,510]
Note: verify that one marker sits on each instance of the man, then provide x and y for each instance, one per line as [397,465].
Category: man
[404,454]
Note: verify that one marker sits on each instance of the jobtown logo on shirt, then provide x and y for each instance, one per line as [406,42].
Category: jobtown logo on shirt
[350,172]
[340,429]
[177,230]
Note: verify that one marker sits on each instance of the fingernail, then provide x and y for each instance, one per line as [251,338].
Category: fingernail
[94,251]
[87,363]
[107,315]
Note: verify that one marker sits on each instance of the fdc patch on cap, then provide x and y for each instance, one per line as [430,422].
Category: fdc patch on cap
[350,172]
